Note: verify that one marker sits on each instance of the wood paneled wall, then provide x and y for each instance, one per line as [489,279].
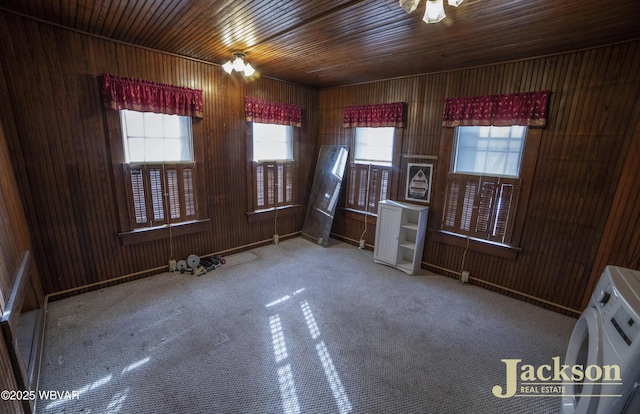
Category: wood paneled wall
[595,94]
[60,150]
[14,242]
[55,130]
[620,243]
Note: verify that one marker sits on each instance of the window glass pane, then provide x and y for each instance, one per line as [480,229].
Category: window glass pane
[513,163]
[173,150]
[172,128]
[154,149]
[155,138]
[186,139]
[272,142]
[500,132]
[489,150]
[134,123]
[498,144]
[494,162]
[136,149]
[518,131]
[153,125]
[374,146]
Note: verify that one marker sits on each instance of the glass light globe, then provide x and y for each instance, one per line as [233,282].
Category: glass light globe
[434,12]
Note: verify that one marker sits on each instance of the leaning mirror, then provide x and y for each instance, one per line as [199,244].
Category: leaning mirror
[332,161]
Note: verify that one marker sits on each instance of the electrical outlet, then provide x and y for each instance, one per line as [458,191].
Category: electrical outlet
[362,244]
[172,265]
[464,277]
[276,239]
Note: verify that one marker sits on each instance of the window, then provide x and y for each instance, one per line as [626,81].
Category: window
[159,168]
[484,182]
[369,174]
[374,146]
[272,142]
[273,166]
[489,150]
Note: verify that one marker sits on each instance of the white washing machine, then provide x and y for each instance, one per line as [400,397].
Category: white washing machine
[606,335]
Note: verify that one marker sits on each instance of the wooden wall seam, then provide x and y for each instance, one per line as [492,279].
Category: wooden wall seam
[582,151]
[61,146]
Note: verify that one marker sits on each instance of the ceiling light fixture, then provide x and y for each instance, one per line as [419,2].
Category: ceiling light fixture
[434,11]
[238,64]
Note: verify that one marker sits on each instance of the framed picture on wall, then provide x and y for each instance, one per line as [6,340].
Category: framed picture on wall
[418,186]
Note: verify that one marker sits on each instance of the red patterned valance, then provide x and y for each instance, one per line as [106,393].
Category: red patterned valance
[381,115]
[257,110]
[139,95]
[527,109]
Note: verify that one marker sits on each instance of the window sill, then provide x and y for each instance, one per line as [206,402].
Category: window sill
[284,211]
[478,245]
[163,232]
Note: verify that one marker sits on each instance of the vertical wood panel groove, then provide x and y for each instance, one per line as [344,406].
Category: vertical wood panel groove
[68,187]
[579,160]
[62,146]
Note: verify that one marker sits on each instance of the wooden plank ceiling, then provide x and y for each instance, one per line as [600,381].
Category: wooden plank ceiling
[326,43]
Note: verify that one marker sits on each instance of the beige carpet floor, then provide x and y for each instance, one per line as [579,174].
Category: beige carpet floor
[294,328]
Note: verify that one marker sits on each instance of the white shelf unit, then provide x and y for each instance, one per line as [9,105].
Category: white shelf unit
[400,233]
